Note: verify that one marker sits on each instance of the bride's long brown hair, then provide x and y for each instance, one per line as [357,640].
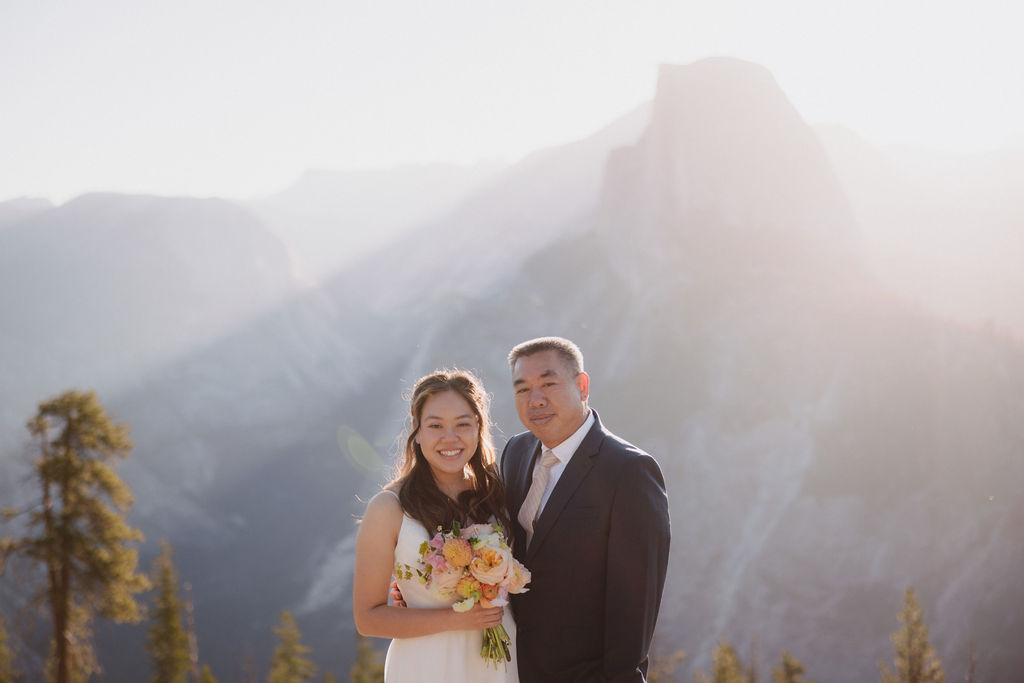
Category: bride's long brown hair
[418,493]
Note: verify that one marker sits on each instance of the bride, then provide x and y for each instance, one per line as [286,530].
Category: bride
[447,475]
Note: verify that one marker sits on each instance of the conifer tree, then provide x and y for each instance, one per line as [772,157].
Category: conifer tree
[754,670]
[368,667]
[249,667]
[916,660]
[8,674]
[195,676]
[206,676]
[289,664]
[725,666]
[167,643]
[791,670]
[78,532]
[662,668]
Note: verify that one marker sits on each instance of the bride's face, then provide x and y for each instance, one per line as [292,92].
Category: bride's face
[448,434]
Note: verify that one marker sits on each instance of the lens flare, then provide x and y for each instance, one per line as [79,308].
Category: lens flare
[359,451]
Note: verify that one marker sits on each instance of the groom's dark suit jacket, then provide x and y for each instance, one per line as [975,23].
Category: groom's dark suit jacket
[598,559]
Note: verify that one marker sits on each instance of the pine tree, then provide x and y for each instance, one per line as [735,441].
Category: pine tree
[754,670]
[368,667]
[195,676]
[916,660]
[78,532]
[249,667]
[8,674]
[207,675]
[167,643]
[289,664]
[662,668]
[725,666]
[791,670]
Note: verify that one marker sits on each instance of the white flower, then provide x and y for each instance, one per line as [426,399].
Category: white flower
[464,605]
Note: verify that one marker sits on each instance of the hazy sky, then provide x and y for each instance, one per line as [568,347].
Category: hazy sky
[237,97]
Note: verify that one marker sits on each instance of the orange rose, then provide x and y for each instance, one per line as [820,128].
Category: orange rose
[468,587]
[457,552]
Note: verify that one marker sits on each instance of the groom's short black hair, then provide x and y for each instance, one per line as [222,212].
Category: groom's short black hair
[569,352]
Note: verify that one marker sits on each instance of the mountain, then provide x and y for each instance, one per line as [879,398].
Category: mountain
[943,230]
[548,196]
[727,168]
[825,443]
[331,218]
[102,289]
[15,210]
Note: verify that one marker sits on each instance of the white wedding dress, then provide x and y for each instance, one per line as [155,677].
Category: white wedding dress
[451,656]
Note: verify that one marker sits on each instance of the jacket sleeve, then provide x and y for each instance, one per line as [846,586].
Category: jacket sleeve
[503,462]
[638,545]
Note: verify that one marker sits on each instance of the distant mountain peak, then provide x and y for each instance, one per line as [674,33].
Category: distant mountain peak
[15,210]
[726,172]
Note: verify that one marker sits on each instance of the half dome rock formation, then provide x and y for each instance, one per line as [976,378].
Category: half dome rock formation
[726,176]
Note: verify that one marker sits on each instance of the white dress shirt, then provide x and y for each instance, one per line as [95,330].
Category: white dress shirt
[563,452]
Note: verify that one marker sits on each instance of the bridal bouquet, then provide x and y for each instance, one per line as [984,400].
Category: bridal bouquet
[471,565]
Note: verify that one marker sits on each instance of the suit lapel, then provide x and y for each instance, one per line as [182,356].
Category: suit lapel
[575,472]
[525,475]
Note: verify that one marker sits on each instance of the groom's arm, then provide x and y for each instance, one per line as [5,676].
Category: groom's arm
[512,496]
[637,561]
[503,462]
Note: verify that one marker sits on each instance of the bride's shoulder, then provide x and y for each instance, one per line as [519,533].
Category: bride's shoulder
[384,508]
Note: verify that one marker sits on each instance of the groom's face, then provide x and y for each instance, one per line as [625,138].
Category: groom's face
[550,400]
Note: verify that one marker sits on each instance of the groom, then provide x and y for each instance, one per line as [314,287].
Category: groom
[590,521]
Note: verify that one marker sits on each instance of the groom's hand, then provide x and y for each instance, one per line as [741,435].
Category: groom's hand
[396,595]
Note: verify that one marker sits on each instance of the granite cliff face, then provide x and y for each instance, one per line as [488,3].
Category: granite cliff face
[727,177]
[825,445]
[102,289]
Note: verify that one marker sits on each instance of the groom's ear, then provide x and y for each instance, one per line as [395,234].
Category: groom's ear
[583,384]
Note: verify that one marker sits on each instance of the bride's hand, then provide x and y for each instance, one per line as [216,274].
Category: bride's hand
[478,618]
[396,595]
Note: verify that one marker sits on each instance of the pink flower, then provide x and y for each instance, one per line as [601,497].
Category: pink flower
[436,560]
[443,584]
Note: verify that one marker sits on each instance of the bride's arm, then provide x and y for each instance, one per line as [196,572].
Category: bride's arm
[375,558]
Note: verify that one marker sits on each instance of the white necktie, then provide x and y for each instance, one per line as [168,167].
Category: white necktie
[531,505]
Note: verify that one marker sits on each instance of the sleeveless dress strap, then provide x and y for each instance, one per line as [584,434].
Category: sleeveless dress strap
[392,493]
